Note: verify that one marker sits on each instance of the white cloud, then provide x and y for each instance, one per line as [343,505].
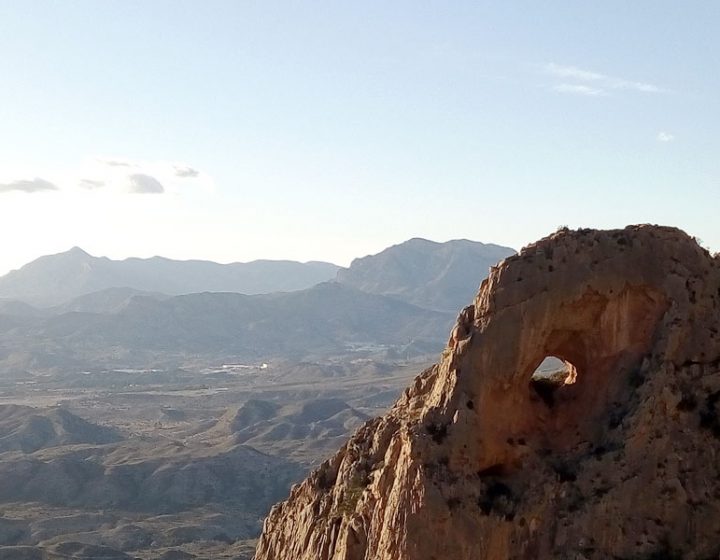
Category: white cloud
[28,186]
[665,136]
[109,177]
[579,89]
[145,184]
[185,171]
[573,72]
[601,82]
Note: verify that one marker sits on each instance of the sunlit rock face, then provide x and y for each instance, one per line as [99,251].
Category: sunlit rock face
[614,453]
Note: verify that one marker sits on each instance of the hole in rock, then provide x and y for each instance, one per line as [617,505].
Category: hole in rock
[552,374]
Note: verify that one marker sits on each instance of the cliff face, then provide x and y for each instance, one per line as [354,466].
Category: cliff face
[478,461]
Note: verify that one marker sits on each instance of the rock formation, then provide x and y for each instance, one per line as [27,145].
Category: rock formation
[476,461]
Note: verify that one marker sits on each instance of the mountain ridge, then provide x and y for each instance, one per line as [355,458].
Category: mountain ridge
[53,280]
[430,274]
[425,273]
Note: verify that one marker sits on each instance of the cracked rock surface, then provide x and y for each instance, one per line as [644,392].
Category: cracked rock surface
[477,461]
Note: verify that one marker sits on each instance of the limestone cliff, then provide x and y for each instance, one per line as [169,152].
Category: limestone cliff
[478,461]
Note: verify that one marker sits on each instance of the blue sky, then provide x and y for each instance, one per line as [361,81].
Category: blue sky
[329,130]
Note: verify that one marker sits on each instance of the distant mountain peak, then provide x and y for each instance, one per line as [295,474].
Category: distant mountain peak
[430,274]
[418,240]
[75,253]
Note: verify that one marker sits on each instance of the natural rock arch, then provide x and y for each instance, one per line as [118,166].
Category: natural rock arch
[551,376]
[469,463]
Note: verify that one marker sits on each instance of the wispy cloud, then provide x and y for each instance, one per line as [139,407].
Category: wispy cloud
[578,89]
[573,72]
[145,184]
[28,186]
[665,136]
[184,171]
[602,84]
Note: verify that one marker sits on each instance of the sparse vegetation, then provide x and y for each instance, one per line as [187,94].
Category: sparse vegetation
[352,494]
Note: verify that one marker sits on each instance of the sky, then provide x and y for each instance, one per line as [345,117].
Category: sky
[328,130]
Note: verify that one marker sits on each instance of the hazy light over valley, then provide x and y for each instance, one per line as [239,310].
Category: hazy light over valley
[326,131]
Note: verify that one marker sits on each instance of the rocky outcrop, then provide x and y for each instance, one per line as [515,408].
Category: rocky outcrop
[478,460]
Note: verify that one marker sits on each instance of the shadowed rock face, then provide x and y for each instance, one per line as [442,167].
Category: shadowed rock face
[479,461]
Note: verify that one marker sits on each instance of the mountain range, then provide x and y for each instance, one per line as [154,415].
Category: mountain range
[55,279]
[76,310]
[439,276]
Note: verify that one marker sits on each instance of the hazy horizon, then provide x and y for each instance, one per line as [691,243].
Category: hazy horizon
[235,131]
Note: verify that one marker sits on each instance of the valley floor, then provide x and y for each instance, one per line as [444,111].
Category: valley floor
[176,464]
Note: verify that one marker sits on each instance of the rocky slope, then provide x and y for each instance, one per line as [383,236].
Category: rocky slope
[618,459]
